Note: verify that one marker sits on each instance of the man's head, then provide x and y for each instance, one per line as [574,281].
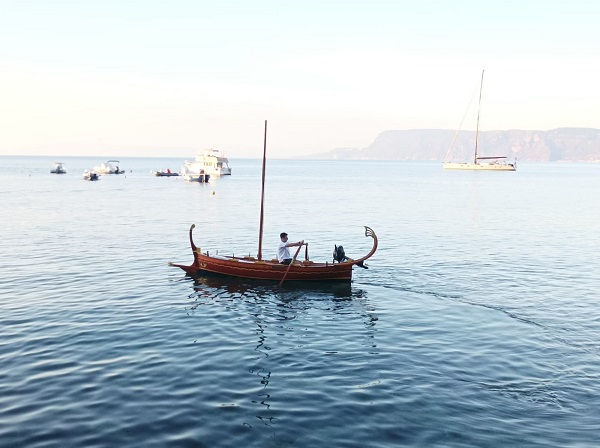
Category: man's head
[283,236]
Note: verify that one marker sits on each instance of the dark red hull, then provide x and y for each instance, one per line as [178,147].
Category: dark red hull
[252,268]
[269,270]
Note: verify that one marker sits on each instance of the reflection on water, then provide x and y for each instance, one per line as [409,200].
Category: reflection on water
[209,287]
[476,324]
[262,350]
[282,323]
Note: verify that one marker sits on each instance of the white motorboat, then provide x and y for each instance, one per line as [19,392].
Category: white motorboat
[59,168]
[212,162]
[90,175]
[193,173]
[110,167]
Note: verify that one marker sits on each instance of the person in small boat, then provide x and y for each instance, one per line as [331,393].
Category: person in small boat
[283,251]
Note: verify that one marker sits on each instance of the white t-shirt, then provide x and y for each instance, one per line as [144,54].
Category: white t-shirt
[283,252]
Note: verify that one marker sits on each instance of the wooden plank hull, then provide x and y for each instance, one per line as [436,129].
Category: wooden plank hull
[269,270]
[272,270]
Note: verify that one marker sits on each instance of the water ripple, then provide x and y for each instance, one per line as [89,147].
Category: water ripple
[473,326]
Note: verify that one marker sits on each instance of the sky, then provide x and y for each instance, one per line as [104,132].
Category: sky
[170,78]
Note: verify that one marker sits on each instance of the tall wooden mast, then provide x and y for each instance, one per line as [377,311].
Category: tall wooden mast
[262,197]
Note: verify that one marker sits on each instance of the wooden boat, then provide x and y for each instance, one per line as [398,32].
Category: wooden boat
[257,268]
[488,163]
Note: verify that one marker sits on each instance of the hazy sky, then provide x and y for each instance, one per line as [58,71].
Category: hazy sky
[162,78]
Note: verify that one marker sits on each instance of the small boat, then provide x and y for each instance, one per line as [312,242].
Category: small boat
[259,269]
[212,162]
[59,168]
[165,173]
[110,167]
[90,175]
[194,174]
[339,269]
[491,163]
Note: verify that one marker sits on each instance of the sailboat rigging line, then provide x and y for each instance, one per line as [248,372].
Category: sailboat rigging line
[478,112]
[461,125]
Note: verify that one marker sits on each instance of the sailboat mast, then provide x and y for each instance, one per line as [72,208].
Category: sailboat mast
[478,111]
[262,197]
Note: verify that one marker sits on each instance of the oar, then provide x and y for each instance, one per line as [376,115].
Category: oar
[290,265]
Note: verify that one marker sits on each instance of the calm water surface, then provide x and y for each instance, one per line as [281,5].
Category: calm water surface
[476,325]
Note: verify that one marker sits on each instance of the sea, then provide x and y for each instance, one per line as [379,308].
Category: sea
[476,324]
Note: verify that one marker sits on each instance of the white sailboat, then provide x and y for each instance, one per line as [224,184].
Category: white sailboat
[489,163]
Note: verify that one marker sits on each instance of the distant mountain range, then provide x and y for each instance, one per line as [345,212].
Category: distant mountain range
[562,144]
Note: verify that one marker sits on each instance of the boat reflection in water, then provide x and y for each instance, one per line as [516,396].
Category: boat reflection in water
[214,284]
[274,340]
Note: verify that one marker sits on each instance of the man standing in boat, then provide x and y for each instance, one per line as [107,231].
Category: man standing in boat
[283,252]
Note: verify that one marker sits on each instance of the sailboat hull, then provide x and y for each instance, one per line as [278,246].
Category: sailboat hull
[480,166]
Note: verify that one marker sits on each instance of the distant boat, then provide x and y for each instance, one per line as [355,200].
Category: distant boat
[212,162]
[490,163]
[165,173]
[59,168]
[109,167]
[90,175]
[194,172]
